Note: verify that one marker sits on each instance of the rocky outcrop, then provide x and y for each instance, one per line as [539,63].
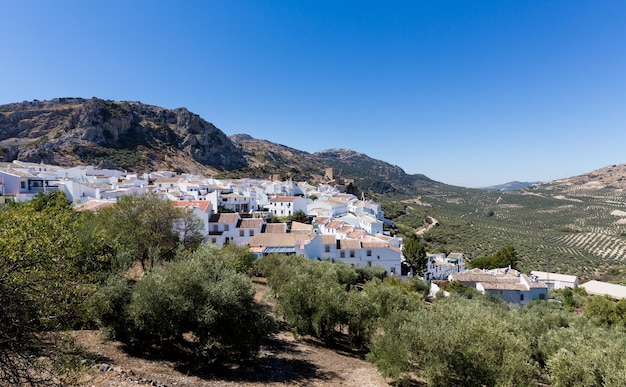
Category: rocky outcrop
[129,134]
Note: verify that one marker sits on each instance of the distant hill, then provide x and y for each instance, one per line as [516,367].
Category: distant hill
[137,137]
[612,176]
[510,186]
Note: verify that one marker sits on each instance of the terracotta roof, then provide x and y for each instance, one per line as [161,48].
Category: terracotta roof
[272,228]
[356,234]
[503,286]
[251,223]
[277,239]
[301,226]
[284,199]
[334,224]
[349,244]
[224,218]
[203,205]
[345,229]
[374,245]
[328,239]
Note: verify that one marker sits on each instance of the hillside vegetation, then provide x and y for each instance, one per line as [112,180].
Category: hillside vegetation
[572,226]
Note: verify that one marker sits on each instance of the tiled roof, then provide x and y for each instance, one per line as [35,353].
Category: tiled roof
[334,224]
[349,244]
[374,245]
[356,234]
[272,228]
[284,199]
[503,286]
[278,240]
[203,205]
[301,226]
[251,223]
[224,218]
[329,239]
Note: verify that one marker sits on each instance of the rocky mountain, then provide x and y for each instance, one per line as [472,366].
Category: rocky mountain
[126,135]
[138,137]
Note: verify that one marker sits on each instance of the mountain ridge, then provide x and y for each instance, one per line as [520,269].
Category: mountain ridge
[135,136]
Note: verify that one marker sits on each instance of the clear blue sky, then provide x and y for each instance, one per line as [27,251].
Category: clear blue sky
[470,93]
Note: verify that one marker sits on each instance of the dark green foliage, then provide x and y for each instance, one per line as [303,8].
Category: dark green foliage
[455,342]
[506,256]
[44,285]
[148,229]
[415,253]
[319,297]
[239,258]
[202,295]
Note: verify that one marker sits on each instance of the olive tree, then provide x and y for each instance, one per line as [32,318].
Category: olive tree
[147,228]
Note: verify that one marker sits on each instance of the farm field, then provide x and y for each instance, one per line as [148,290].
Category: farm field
[579,229]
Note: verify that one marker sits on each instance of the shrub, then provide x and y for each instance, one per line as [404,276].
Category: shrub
[201,295]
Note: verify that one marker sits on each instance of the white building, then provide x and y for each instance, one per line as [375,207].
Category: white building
[439,266]
[555,280]
[286,205]
[508,284]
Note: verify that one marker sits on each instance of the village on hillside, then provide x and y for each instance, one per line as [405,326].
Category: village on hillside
[336,225]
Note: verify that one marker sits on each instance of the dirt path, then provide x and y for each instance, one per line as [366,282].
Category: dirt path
[421,230]
[283,360]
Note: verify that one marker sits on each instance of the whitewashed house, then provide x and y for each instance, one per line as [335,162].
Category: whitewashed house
[508,284]
[286,205]
[555,280]
[247,228]
[223,228]
[439,266]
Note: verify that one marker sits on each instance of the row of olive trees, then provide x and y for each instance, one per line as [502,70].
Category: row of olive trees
[452,341]
[322,298]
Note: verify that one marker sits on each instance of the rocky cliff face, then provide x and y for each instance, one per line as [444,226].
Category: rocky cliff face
[129,135]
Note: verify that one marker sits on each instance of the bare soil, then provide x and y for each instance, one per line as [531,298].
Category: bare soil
[283,360]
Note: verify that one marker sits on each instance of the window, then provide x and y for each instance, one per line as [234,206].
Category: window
[241,233]
[22,184]
[342,254]
[351,253]
[327,248]
[213,240]
[542,296]
[251,233]
[226,228]
[521,297]
[369,253]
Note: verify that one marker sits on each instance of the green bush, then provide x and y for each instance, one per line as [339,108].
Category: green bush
[201,295]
